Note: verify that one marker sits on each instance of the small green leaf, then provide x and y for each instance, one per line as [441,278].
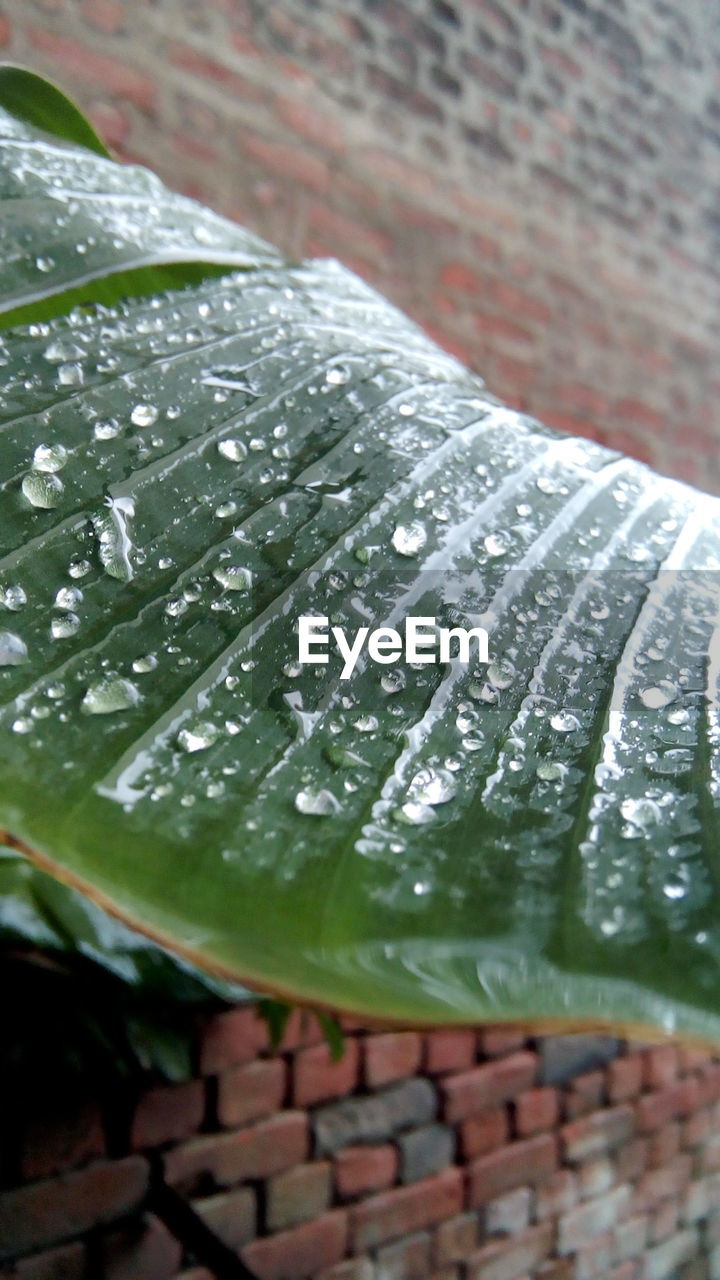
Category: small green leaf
[77,229]
[42,104]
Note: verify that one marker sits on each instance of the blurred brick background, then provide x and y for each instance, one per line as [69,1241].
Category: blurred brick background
[536,181]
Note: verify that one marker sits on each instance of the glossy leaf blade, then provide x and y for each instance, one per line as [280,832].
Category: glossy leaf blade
[74,220]
[535,841]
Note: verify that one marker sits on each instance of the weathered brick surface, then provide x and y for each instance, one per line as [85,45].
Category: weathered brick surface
[591,1218]
[511,1259]
[51,1143]
[232,1215]
[67,1262]
[406,1259]
[317,1078]
[256,1152]
[43,1213]
[455,1239]
[536,1110]
[531,1161]
[143,1248]
[391,1057]
[168,1115]
[425,1151]
[298,1194]
[250,1092]
[449,1051]
[300,1252]
[361,1170]
[471,1091]
[484,1132]
[375,1118]
[381,1184]
[406,1209]
[598,1133]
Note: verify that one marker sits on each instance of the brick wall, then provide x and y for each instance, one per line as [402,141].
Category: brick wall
[535,180]
[454,1155]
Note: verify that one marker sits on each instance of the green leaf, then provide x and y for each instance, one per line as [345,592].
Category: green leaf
[76,228]
[38,911]
[533,841]
[40,103]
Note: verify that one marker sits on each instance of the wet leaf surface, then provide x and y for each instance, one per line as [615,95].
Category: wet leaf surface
[183,476]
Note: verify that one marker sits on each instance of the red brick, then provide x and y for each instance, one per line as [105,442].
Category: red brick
[484,1132]
[510,1213]
[345,232]
[461,278]
[48,1212]
[321,128]
[68,1262]
[359,1170]
[231,1039]
[292,1255]
[663,1221]
[406,1209]
[536,1110]
[624,1077]
[113,75]
[585,1092]
[500,1041]
[556,1269]
[710,1155]
[660,1184]
[518,303]
[691,1059]
[592,1218]
[521,1163]
[593,1261]
[595,1176]
[295,165]
[598,1133]
[556,1195]
[406,1259]
[511,1259]
[142,1248]
[631,1159]
[168,1115]
[350,1269]
[107,15]
[255,1152]
[501,327]
[391,1057]
[706,1086]
[697,1128]
[486,1086]
[250,1092]
[660,1066]
[231,1215]
[663,1144]
[298,1194]
[455,1239]
[317,1078]
[657,1108]
[630,1238]
[215,73]
[449,1050]
[52,1144]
